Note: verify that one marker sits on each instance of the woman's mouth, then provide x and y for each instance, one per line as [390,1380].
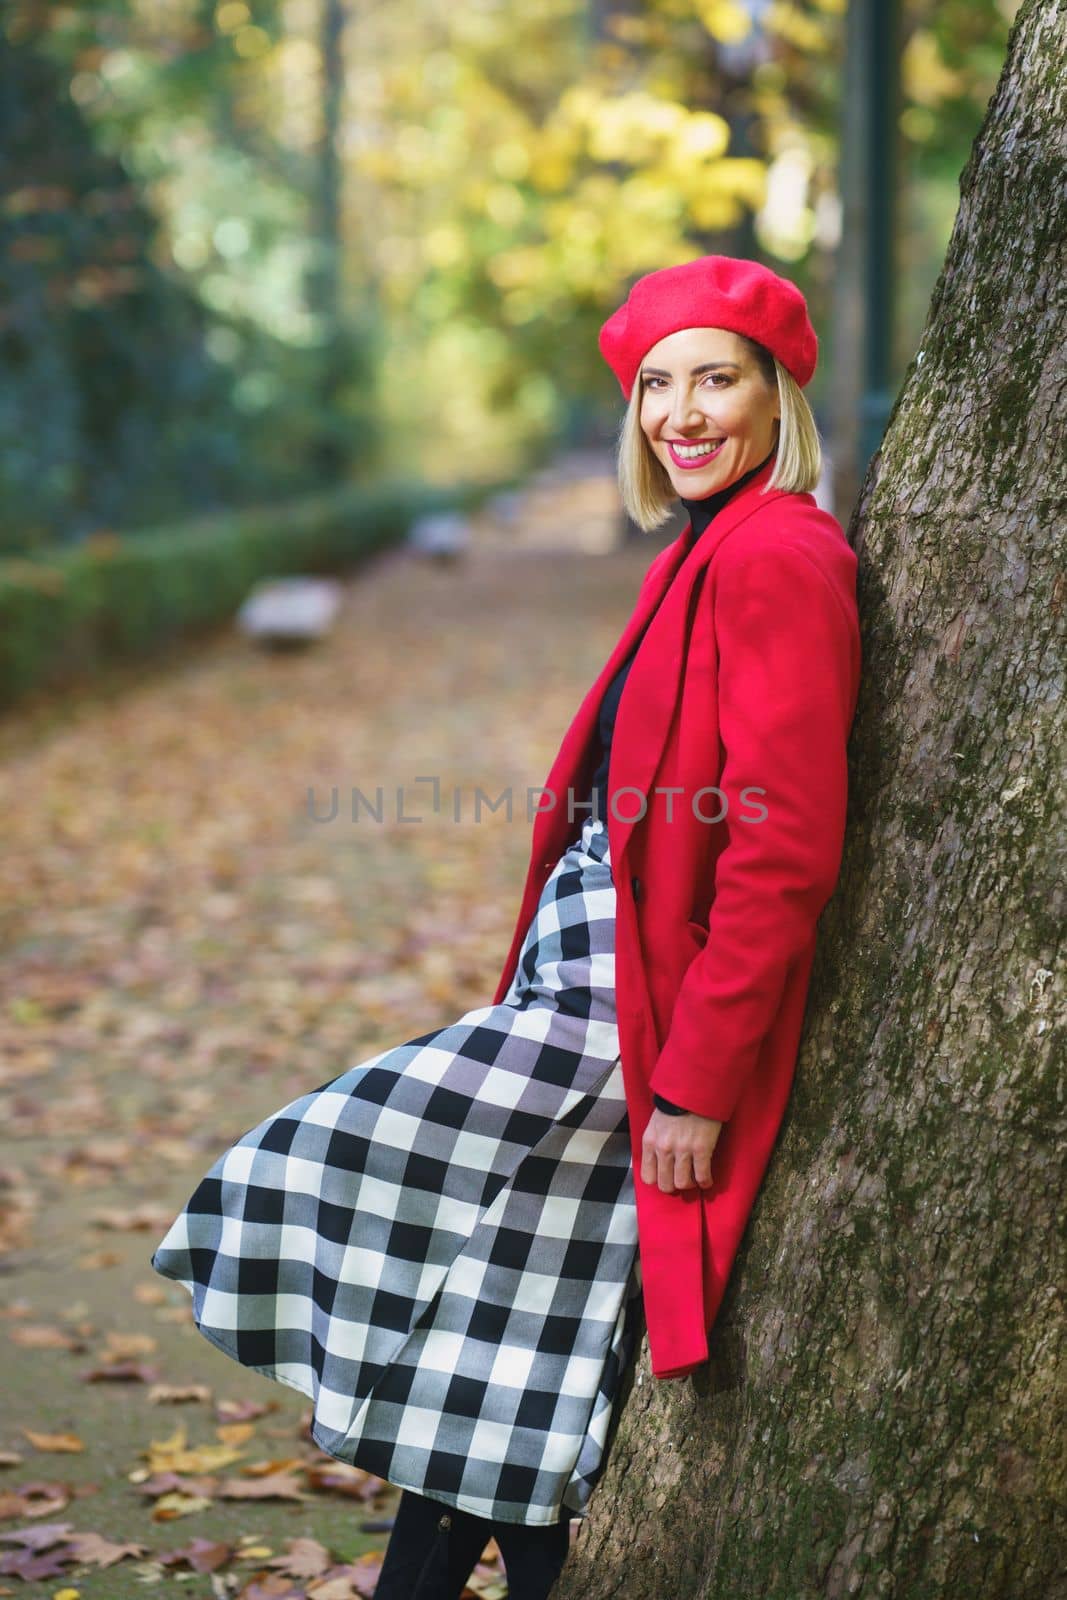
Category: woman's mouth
[696,455]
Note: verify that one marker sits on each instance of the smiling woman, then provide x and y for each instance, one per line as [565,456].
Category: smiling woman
[706,424]
[706,403]
[447,1245]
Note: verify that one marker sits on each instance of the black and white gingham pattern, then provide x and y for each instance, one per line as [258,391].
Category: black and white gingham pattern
[439,1247]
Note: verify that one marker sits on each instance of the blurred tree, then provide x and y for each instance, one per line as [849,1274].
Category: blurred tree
[418,287]
[104,371]
[326,268]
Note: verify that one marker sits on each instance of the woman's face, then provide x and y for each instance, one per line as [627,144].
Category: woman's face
[701,386]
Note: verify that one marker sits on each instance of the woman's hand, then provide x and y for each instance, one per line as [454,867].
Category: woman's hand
[676,1151]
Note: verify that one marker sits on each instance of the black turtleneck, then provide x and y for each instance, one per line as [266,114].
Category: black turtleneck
[700,514]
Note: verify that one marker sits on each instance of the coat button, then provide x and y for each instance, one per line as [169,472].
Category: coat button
[444,1523]
[635,885]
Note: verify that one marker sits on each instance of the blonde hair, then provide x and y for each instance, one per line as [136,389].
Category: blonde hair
[649,495]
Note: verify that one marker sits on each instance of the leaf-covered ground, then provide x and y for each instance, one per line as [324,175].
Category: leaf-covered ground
[185,948]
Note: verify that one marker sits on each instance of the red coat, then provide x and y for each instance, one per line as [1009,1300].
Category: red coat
[746,680]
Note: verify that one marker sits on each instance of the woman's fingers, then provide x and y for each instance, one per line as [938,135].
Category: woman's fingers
[675,1171]
[702,1171]
[689,1171]
[672,1169]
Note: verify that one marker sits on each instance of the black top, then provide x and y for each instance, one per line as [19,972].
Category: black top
[700,513]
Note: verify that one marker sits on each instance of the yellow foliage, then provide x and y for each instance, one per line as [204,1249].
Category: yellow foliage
[629,127]
[444,246]
[251,42]
[511,160]
[505,205]
[703,136]
[925,79]
[745,177]
[786,19]
[714,210]
[725,20]
[519,268]
[552,159]
[231,15]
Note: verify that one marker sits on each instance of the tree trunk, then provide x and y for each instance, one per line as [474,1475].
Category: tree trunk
[879,1415]
[324,279]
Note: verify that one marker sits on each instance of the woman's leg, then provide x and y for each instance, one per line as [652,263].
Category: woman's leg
[432,1550]
[533,1555]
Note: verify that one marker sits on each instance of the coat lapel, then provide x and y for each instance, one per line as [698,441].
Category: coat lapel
[650,694]
[579,743]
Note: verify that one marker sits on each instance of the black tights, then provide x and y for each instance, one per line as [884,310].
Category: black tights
[433,1549]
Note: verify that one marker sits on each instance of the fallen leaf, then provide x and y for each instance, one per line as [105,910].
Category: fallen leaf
[276,1464]
[35,1499]
[269,1588]
[305,1558]
[337,1586]
[173,1393]
[39,1538]
[96,1551]
[169,1506]
[163,1482]
[243,1410]
[150,1294]
[34,1568]
[120,1346]
[276,1486]
[201,1555]
[356,1580]
[43,1336]
[121,1372]
[236,1432]
[54,1441]
[93,1259]
[176,1454]
[338,1477]
[128,1218]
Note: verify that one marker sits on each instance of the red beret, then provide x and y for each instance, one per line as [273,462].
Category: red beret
[711,292]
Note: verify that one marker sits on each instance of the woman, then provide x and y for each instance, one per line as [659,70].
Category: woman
[444,1247]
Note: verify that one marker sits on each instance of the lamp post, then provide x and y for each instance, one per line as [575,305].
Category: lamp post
[866,268]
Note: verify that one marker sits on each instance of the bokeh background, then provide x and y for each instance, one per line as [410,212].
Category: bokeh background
[253,248]
[284,285]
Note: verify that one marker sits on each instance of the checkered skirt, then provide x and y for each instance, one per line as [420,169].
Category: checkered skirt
[439,1247]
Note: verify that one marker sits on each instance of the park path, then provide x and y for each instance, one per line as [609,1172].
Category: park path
[185,948]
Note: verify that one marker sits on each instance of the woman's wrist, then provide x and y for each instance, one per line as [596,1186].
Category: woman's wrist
[669,1106]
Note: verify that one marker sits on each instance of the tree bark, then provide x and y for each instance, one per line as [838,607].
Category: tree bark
[882,1413]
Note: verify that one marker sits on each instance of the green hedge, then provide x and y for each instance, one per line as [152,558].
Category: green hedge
[66,612]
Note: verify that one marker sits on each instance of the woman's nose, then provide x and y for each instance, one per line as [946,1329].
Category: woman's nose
[685,412]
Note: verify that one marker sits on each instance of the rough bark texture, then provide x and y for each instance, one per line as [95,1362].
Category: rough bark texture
[882,1414]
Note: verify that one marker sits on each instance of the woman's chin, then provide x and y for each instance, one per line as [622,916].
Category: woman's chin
[699,482]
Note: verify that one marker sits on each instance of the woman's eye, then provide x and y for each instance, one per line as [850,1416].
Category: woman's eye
[716,378]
